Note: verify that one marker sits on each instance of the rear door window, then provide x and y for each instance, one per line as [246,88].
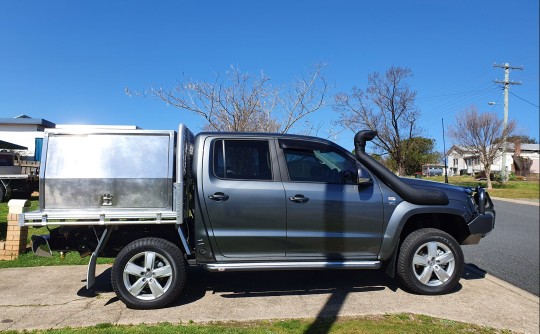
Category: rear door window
[242,159]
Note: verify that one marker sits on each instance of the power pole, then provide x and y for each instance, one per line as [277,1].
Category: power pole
[444,148]
[506,83]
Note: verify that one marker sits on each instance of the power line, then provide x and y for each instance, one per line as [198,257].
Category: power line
[524,100]
[452,105]
[465,79]
[447,95]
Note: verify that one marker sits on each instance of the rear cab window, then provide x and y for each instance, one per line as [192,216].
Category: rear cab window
[235,159]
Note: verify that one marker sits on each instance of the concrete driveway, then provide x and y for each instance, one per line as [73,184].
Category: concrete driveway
[54,297]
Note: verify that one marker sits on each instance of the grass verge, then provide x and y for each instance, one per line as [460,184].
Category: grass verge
[510,189]
[29,259]
[392,323]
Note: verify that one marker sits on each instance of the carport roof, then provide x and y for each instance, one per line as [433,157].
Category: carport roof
[10,146]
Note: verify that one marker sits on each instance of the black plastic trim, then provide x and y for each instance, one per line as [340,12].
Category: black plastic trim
[428,196]
[483,223]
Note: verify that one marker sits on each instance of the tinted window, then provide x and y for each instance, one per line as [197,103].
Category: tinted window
[322,164]
[242,160]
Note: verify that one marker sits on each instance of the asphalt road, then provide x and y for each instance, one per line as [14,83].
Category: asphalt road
[511,251]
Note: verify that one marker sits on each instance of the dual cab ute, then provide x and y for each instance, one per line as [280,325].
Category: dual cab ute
[159,201]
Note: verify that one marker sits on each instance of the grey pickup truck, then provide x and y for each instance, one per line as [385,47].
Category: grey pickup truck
[160,201]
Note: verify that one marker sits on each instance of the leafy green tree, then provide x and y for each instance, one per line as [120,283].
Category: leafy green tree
[419,151]
[524,139]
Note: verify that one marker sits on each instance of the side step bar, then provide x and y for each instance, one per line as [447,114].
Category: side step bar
[247,266]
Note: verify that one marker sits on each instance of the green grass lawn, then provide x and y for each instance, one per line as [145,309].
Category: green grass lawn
[510,189]
[394,323]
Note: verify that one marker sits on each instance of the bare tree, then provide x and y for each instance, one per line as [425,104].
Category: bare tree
[386,106]
[483,134]
[240,102]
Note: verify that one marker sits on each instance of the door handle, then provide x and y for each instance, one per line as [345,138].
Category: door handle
[299,199]
[220,197]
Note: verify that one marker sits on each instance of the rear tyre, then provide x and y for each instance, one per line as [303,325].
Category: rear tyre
[148,273]
[430,262]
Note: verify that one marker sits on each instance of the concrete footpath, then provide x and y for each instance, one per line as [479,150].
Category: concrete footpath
[527,201]
[54,297]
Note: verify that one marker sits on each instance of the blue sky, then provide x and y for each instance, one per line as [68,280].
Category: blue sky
[69,61]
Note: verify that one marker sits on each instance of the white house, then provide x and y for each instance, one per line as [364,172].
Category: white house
[28,132]
[25,131]
[462,160]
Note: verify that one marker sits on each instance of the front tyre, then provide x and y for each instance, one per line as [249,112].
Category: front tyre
[148,273]
[430,262]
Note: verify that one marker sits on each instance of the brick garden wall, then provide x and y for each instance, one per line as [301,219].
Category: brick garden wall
[15,242]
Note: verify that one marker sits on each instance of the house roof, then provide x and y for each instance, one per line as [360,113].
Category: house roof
[509,148]
[27,120]
[525,147]
[459,149]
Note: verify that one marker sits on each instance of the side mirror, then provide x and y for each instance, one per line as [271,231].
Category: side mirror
[364,178]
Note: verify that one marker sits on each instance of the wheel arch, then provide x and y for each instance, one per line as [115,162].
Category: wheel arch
[452,224]
[124,235]
[408,218]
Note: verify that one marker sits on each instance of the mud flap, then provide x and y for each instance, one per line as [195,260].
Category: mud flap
[91,273]
[40,245]
[390,270]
